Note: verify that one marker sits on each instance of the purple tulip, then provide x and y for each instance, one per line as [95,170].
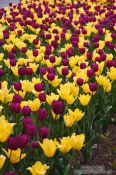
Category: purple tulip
[57,107]
[42,114]
[43,132]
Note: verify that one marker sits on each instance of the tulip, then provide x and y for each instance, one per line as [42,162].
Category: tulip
[26,111]
[17,86]
[42,97]
[10,173]
[35,144]
[80,81]
[69,120]
[6,129]
[77,141]
[12,143]
[31,130]
[42,114]
[22,140]
[15,156]
[43,132]
[65,145]
[2,161]
[49,147]
[93,87]
[84,99]
[57,107]
[39,87]
[38,168]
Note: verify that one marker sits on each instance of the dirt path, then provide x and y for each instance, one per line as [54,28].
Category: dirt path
[5,3]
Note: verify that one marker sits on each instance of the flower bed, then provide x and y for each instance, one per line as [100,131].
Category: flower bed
[57,83]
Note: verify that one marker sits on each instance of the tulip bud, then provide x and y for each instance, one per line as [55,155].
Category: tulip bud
[39,87]
[42,114]
[65,71]
[42,97]
[57,107]
[90,73]
[43,132]
[26,111]
[93,87]
[22,140]
[35,144]
[31,130]
[12,143]
[17,86]
[80,81]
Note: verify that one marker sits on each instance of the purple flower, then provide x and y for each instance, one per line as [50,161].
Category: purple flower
[43,132]
[10,173]
[12,143]
[26,120]
[22,140]
[65,71]
[15,107]
[2,72]
[57,107]
[24,49]
[21,71]
[50,76]
[39,87]
[35,144]
[90,73]
[17,86]
[93,87]
[80,81]
[26,111]
[42,97]
[31,130]
[42,114]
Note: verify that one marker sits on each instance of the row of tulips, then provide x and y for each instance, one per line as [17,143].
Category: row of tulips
[57,83]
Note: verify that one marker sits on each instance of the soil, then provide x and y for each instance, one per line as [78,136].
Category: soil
[103,161]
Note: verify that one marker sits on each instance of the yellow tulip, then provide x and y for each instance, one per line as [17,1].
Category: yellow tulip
[78,114]
[15,155]
[51,97]
[69,120]
[1,56]
[65,145]
[49,147]
[112,74]
[84,99]
[38,168]
[107,84]
[56,82]
[6,129]
[77,141]
[85,88]
[2,161]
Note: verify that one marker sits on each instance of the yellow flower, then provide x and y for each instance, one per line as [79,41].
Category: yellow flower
[56,82]
[77,141]
[112,74]
[6,129]
[49,147]
[77,114]
[107,84]
[85,88]
[14,155]
[69,120]
[1,107]
[51,97]
[65,145]
[38,168]
[1,56]
[84,99]
[2,161]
